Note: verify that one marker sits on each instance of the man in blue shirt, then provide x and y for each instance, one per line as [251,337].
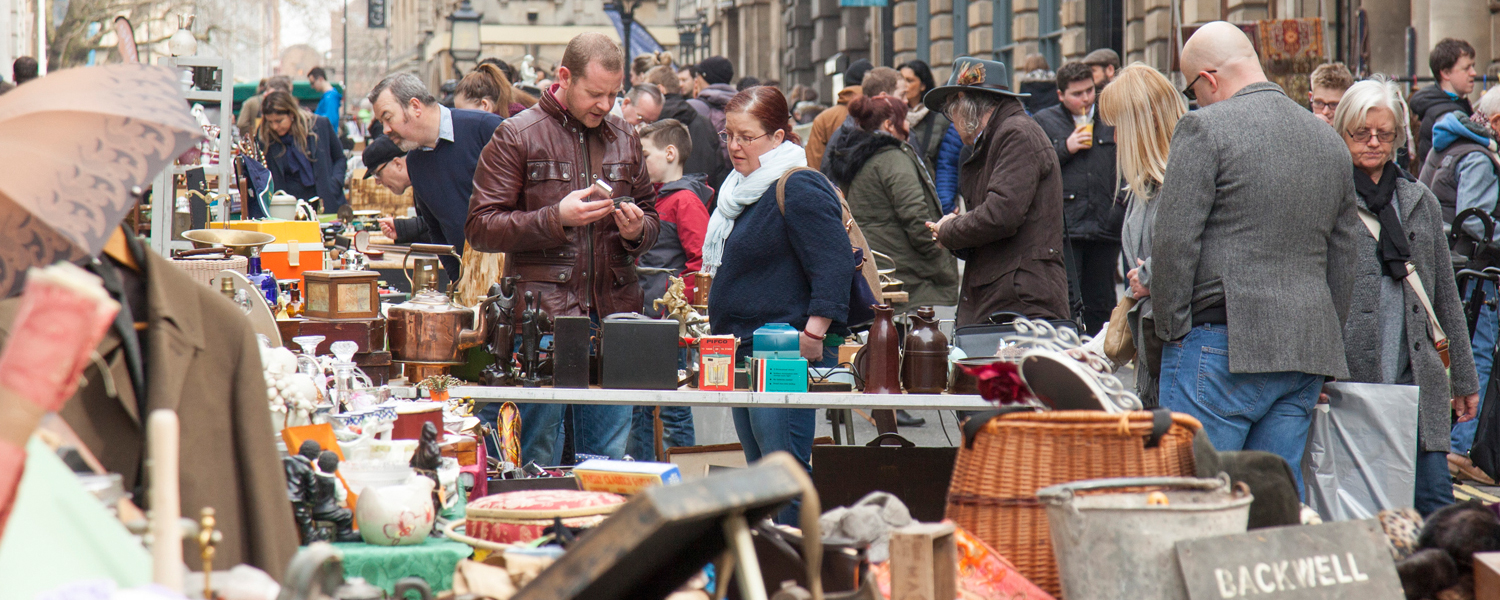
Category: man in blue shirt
[332,102]
[443,147]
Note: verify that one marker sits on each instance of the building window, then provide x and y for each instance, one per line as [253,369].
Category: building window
[1049,31]
[1002,40]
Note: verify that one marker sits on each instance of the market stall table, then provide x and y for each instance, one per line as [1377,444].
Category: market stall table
[693,397]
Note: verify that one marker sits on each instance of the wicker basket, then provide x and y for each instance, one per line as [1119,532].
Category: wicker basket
[204,270]
[366,194]
[993,494]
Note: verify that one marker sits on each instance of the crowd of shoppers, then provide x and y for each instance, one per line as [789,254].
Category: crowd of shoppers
[1260,257]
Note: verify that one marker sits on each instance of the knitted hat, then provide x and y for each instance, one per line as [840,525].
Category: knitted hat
[716,69]
[855,74]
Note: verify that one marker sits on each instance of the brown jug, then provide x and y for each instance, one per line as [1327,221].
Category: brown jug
[882,365]
[924,360]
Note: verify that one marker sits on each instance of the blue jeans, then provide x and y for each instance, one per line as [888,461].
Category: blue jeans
[1486,330]
[1239,411]
[766,430]
[676,431]
[1434,487]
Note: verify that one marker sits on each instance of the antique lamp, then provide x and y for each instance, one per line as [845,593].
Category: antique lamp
[464,43]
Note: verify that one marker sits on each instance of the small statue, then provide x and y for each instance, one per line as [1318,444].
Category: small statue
[302,488]
[330,495]
[690,324]
[500,341]
[425,461]
[533,323]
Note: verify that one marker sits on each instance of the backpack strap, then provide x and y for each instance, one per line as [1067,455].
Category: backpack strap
[781,187]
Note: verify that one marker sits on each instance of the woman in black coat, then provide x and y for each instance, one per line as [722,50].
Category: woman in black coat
[302,151]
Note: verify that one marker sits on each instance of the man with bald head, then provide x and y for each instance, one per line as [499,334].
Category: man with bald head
[1252,253]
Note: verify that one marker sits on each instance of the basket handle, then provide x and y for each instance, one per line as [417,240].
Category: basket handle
[978,421]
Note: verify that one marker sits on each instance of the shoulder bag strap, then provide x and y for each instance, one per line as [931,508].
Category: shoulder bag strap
[1435,329]
[781,187]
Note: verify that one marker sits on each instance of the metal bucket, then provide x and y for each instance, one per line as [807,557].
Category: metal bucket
[1117,545]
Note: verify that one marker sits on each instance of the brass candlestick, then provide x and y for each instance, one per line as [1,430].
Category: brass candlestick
[208,540]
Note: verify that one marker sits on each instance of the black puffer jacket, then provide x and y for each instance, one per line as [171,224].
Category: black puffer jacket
[1089,184]
[706,157]
[1430,104]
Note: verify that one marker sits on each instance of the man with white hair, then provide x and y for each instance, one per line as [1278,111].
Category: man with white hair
[1252,254]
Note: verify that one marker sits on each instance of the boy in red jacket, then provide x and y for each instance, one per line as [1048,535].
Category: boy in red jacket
[682,203]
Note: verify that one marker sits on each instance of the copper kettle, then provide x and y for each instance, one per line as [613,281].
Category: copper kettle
[430,328]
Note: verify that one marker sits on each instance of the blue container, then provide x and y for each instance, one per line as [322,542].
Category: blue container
[776,340]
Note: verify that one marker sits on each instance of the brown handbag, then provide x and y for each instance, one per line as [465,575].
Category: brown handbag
[1119,345]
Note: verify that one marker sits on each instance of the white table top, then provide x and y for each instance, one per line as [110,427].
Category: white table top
[692,397]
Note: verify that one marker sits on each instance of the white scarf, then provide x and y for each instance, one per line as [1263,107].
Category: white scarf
[739,192]
[915,116]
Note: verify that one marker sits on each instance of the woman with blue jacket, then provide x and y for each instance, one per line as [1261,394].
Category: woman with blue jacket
[771,266]
[302,151]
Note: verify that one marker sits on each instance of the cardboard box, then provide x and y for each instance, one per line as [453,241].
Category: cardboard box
[716,363]
[778,375]
[624,477]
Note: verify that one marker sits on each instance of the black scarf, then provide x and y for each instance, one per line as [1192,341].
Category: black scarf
[1391,247]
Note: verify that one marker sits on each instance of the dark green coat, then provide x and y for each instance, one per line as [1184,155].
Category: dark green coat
[892,197]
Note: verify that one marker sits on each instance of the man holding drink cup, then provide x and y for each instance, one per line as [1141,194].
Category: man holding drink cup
[1092,218]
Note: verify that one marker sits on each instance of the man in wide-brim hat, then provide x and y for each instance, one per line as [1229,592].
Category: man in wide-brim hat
[1012,235]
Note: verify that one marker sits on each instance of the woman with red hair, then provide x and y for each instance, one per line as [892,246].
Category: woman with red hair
[892,197]
[773,266]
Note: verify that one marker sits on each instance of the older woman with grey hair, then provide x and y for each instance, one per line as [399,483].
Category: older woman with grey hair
[1404,281]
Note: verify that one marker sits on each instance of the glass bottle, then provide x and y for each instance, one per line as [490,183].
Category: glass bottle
[263,281]
[294,300]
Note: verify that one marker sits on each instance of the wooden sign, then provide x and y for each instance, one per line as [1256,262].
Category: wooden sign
[1335,561]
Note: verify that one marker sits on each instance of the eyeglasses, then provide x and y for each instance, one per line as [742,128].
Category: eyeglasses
[1363,136]
[1320,106]
[1192,96]
[724,136]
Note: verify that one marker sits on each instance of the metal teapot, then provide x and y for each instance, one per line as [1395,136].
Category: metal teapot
[430,328]
[318,571]
[357,589]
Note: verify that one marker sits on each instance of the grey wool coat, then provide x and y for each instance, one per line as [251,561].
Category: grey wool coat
[1257,214]
[1421,216]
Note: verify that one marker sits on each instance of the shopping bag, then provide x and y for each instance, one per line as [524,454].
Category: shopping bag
[1362,451]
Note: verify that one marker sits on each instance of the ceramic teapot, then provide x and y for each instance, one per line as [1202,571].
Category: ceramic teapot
[396,515]
[357,589]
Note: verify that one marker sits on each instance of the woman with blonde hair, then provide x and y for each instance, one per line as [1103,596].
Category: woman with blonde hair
[485,88]
[643,63]
[1144,108]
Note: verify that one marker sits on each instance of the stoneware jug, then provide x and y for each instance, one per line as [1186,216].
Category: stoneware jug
[396,515]
[882,361]
[924,360]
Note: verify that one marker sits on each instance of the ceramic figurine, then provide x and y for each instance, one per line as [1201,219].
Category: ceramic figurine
[302,488]
[426,460]
[500,339]
[330,494]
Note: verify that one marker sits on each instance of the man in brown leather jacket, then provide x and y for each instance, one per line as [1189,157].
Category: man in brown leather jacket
[570,245]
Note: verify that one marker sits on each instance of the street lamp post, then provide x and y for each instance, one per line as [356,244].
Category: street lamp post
[626,8]
[464,42]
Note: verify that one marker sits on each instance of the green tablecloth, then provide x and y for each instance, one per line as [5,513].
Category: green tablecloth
[433,560]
